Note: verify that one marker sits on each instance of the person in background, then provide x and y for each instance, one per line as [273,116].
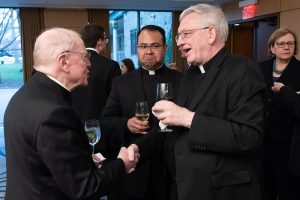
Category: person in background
[47,151]
[291,100]
[218,116]
[283,67]
[118,117]
[89,101]
[127,65]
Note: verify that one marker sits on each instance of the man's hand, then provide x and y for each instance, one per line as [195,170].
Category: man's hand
[136,126]
[130,157]
[171,114]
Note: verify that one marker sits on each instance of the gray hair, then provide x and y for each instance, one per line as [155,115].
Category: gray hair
[50,43]
[211,16]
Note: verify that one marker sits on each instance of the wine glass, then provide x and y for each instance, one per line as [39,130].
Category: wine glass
[92,129]
[164,92]
[142,111]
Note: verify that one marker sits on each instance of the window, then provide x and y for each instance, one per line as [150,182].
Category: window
[126,24]
[11,73]
[133,41]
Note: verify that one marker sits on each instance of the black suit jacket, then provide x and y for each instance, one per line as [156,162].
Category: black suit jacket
[89,101]
[279,121]
[291,100]
[47,151]
[127,89]
[216,157]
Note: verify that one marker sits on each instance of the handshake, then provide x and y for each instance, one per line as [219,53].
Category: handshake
[130,157]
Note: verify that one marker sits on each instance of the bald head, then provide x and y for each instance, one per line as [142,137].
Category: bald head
[61,54]
[50,44]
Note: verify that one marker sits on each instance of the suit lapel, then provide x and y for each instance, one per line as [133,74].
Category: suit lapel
[183,89]
[208,79]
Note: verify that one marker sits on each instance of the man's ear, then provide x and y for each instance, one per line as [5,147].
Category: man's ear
[63,62]
[212,35]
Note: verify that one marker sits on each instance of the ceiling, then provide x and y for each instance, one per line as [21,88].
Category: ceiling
[111,4]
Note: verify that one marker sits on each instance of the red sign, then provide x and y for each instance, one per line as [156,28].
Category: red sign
[249,11]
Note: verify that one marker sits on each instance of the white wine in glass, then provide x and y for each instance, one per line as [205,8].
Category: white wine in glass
[92,129]
[142,111]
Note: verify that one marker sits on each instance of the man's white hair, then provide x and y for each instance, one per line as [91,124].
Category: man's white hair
[211,16]
[52,42]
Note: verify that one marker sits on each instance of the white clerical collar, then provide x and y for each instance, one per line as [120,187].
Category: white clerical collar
[92,49]
[202,69]
[152,72]
[59,83]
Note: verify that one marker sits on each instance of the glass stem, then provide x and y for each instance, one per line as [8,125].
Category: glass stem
[93,149]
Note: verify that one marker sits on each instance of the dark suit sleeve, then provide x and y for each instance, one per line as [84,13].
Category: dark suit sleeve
[240,130]
[116,71]
[113,126]
[150,144]
[291,100]
[64,149]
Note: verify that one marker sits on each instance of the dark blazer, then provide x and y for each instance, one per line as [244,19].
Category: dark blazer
[291,100]
[279,121]
[47,151]
[216,157]
[279,125]
[127,89]
[89,101]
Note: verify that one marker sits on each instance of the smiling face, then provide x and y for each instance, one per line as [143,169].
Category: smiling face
[284,47]
[194,40]
[151,58]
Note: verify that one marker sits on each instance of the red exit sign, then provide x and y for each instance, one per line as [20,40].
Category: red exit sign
[249,11]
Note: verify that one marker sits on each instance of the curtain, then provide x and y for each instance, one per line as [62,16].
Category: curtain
[32,23]
[101,17]
[181,63]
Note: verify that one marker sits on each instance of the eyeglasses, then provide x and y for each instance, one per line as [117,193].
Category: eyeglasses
[151,47]
[187,33]
[282,44]
[105,40]
[86,56]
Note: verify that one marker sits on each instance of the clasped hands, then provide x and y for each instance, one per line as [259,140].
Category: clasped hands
[130,157]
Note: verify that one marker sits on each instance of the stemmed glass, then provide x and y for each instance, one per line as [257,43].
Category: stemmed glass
[142,111]
[92,129]
[164,92]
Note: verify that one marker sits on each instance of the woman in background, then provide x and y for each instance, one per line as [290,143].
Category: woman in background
[283,67]
[126,65]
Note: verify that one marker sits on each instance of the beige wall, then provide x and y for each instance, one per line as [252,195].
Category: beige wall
[289,12]
[73,19]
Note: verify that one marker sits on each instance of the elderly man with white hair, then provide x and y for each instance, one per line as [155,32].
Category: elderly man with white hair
[48,153]
[217,117]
